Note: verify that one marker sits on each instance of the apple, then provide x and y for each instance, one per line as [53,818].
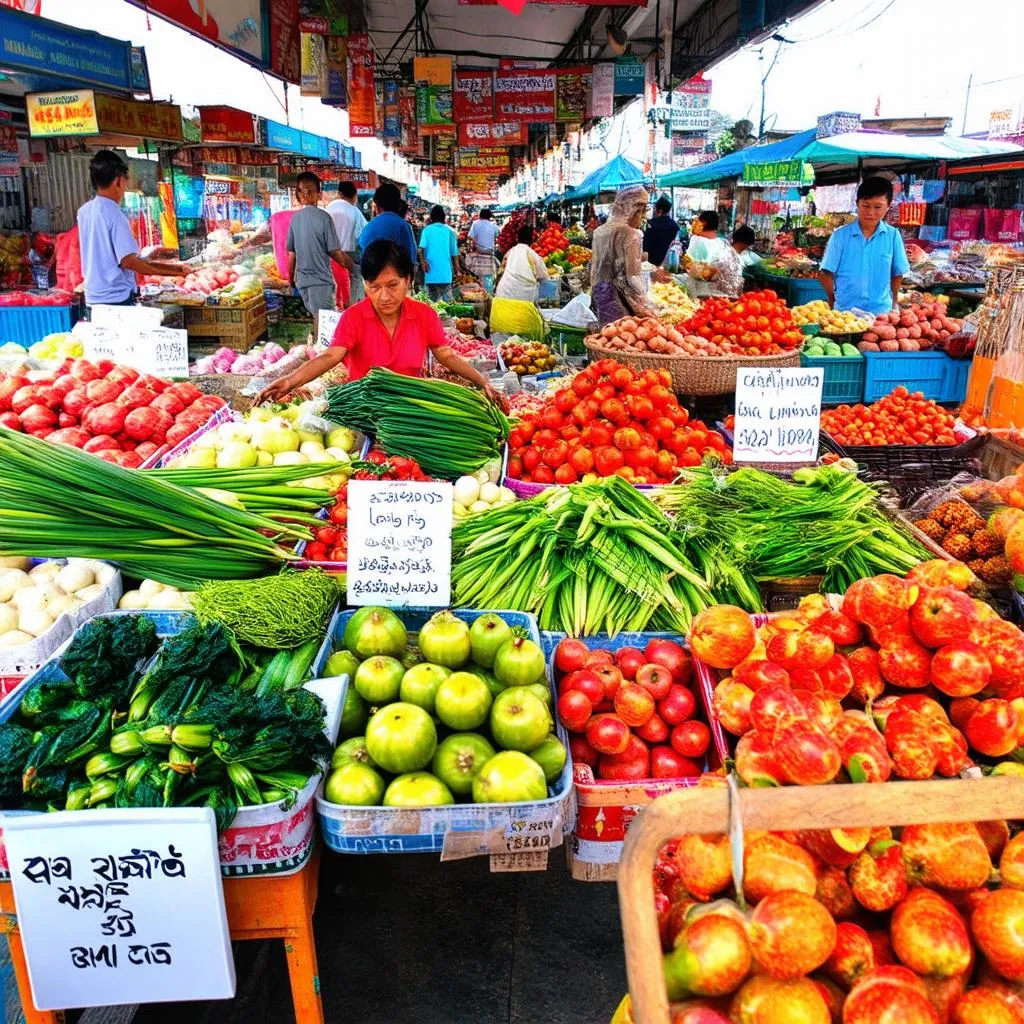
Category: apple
[570,655]
[582,752]
[655,679]
[667,763]
[608,734]
[758,673]
[654,730]
[586,681]
[672,656]
[722,635]
[633,704]
[628,660]
[690,739]
[941,615]
[611,677]
[574,710]
[678,706]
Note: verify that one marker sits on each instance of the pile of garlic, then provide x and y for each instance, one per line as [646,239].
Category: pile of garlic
[32,599]
[156,597]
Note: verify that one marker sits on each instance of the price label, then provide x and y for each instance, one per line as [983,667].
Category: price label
[533,831]
[120,907]
[161,351]
[399,543]
[327,323]
[138,318]
[778,415]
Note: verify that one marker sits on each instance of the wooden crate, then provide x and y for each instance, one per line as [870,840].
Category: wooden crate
[730,810]
[247,320]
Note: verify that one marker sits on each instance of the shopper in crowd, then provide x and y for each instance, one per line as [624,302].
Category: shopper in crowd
[388,223]
[728,279]
[661,232]
[386,329]
[705,245]
[349,223]
[552,218]
[522,270]
[617,286]
[482,233]
[312,246]
[865,261]
[110,254]
[439,256]
[743,239]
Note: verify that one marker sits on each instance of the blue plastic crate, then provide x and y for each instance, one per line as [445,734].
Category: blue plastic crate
[423,829]
[843,380]
[28,324]
[805,289]
[934,374]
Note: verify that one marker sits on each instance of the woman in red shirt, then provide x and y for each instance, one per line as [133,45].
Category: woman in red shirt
[386,329]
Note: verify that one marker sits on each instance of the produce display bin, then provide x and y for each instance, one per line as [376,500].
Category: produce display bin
[1002,454]
[162,459]
[263,839]
[567,341]
[935,374]
[28,324]
[235,327]
[843,380]
[605,807]
[802,290]
[455,829]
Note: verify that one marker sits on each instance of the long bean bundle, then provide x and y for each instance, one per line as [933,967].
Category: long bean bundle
[587,559]
[448,429]
[57,501]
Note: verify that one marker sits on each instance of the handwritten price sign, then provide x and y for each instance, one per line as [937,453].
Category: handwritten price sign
[778,415]
[399,543]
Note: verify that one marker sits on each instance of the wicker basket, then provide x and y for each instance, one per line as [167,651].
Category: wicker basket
[695,375]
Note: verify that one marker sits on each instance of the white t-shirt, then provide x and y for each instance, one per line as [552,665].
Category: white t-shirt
[348,221]
[484,232]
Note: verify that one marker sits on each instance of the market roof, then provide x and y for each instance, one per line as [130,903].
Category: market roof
[731,165]
[615,174]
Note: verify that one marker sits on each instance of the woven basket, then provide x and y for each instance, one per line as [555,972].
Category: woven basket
[228,386]
[695,375]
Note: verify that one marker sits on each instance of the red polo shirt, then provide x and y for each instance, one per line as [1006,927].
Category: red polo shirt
[362,332]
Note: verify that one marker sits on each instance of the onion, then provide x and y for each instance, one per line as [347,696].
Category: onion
[73,578]
[15,562]
[34,621]
[444,640]
[8,618]
[12,580]
[15,638]
[133,599]
[466,490]
[489,492]
[147,588]
[91,593]
[45,570]
[66,605]
[36,598]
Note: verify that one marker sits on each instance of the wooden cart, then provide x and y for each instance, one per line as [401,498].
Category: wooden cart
[730,810]
[260,907]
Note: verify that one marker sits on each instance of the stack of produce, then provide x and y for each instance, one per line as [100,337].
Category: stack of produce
[226,283]
[821,348]
[156,596]
[672,303]
[527,357]
[757,324]
[255,361]
[525,401]
[50,297]
[901,417]
[482,683]
[50,351]
[551,242]
[610,420]
[831,321]
[508,236]
[469,346]
[651,731]
[578,255]
[586,559]
[448,429]
[959,530]
[111,411]
[915,328]
[206,723]
[649,334]
[478,493]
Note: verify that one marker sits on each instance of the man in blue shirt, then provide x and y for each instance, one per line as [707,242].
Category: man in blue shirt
[439,254]
[387,224]
[865,261]
[110,254]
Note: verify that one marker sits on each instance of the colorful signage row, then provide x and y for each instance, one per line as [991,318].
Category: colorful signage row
[84,112]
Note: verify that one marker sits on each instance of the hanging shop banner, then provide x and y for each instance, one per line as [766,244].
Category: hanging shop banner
[442,148]
[8,139]
[231,24]
[434,108]
[474,95]
[348,156]
[524,96]
[334,89]
[602,91]
[777,174]
[309,145]
[572,87]
[139,70]
[483,161]
[392,120]
[778,415]
[432,71]
[225,124]
[314,59]
[361,98]
[323,17]
[629,76]
[407,116]
[399,544]
[52,114]
[93,892]
[146,120]
[233,155]
[334,151]
[493,133]
[472,182]
[280,136]
[37,46]
[284,56]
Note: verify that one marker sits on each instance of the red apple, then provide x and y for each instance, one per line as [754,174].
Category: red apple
[678,706]
[722,635]
[634,762]
[878,600]
[843,630]
[582,752]
[608,734]
[773,705]
[633,704]
[731,702]
[655,679]
[574,710]
[672,656]
[836,676]
[904,662]
[992,729]
[654,730]
[756,763]
[691,739]
[570,655]
[666,763]
[611,677]
[585,680]
[941,615]
[960,669]
[758,674]
[628,660]
[595,659]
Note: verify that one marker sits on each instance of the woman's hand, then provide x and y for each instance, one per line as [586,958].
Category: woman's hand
[275,390]
[496,397]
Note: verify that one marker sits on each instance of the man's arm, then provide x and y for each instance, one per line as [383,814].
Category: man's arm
[342,259]
[135,263]
[291,269]
[828,282]
[895,284]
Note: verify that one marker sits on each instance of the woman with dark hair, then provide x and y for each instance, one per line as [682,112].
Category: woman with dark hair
[522,270]
[386,329]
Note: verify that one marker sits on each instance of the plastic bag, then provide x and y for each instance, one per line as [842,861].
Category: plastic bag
[576,312]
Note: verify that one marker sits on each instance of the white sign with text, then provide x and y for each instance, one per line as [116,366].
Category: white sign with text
[120,907]
[327,324]
[399,543]
[161,351]
[778,414]
[135,318]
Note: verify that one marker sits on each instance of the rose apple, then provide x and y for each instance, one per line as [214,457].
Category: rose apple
[633,704]
[570,655]
[987,1006]
[891,994]
[656,679]
[756,763]
[767,1000]
[667,764]
[961,711]
[941,615]
[950,856]
[731,702]
[1003,644]
[585,680]
[878,600]
[864,755]
[852,957]
[574,710]
[608,734]
[929,936]
[705,865]
[837,847]
[772,864]
[582,752]
[960,669]
[806,755]
[834,893]
[998,928]
[773,705]
[595,659]
[904,662]
[867,677]
[672,656]
[992,729]
[839,628]
[722,635]
[910,740]
[937,572]
[678,706]
[628,660]
[791,934]
[758,674]
[996,837]
[654,730]
[690,739]
[710,957]
[836,676]
[1011,861]
[611,677]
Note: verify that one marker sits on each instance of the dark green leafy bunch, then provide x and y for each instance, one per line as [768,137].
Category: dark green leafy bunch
[105,651]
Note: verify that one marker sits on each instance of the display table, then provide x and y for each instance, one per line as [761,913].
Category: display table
[269,907]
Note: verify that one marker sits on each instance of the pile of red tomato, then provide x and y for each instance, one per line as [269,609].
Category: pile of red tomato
[389,467]
[552,239]
[901,417]
[757,324]
[610,421]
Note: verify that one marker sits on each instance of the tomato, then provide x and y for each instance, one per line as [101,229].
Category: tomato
[646,456]
[582,460]
[315,552]
[640,407]
[661,396]
[627,437]
[545,437]
[516,438]
[690,457]
[584,412]
[716,441]
[598,432]
[604,391]
[531,459]
[339,514]
[607,460]
[401,738]
[660,427]
[569,432]
[622,377]
[528,427]
[565,474]
[614,409]
[665,464]
[552,419]
[584,384]
[555,454]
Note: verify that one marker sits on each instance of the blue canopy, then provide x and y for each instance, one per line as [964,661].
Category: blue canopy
[617,173]
[731,165]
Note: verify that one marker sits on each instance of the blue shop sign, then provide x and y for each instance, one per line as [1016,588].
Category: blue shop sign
[334,151]
[280,136]
[36,45]
[629,77]
[310,144]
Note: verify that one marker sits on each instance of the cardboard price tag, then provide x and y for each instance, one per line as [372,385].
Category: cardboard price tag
[161,351]
[327,324]
[119,907]
[534,831]
[778,414]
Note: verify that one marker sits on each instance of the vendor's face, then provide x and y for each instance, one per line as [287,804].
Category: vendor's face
[387,290]
[871,211]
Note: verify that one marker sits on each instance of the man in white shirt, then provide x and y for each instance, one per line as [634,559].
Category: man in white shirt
[483,233]
[349,223]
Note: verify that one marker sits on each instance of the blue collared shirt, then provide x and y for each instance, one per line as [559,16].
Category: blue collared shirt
[392,228]
[864,267]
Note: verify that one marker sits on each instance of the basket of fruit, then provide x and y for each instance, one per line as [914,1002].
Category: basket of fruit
[526,357]
[959,532]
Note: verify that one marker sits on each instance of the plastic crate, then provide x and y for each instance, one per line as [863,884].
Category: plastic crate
[424,829]
[802,290]
[28,324]
[262,839]
[567,341]
[843,380]
[934,374]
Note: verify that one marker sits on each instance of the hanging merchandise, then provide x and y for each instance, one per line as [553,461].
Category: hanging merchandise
[392,120]
[361,98]
[524,95]
[1003,226]
[334,91]
[434,108]
[313,61]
